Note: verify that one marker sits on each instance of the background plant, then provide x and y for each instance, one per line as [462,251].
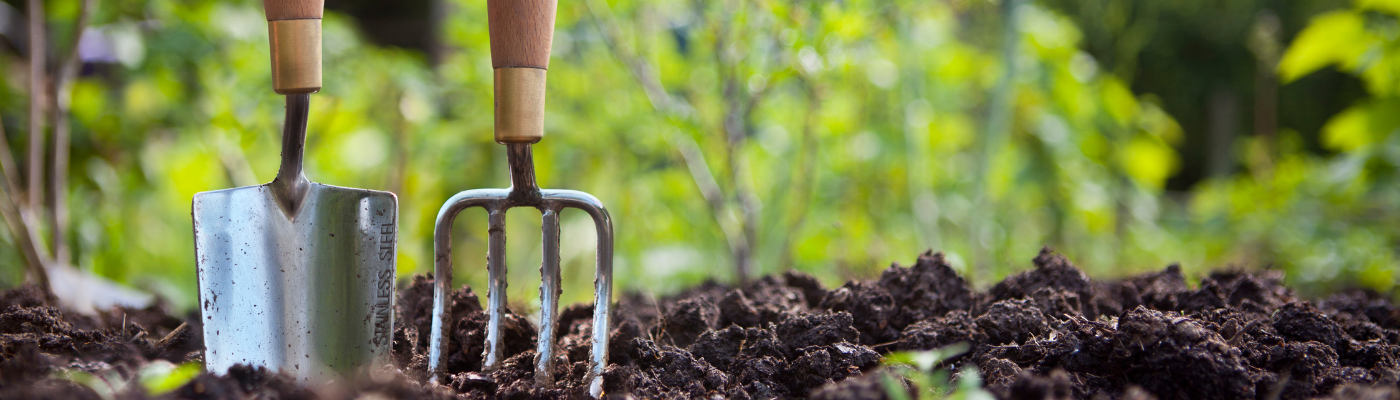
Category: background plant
[737,138]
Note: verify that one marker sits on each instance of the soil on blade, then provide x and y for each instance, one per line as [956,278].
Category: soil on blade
[1047,333]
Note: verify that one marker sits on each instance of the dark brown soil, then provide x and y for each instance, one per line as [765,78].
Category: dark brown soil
[1047,333]
[36,340]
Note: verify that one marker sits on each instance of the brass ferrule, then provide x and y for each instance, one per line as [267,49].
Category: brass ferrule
[519,105]
[296,55]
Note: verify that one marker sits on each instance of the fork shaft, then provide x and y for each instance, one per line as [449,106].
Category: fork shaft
[496,294]
[523,188]
[549,300]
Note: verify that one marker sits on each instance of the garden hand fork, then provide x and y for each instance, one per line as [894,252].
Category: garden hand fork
[521,32]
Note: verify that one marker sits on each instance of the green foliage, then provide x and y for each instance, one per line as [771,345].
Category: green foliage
[1325,219]
[926,381]
[831,137]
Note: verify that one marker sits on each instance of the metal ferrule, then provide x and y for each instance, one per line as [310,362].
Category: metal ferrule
[296,55]
[519,105]
[524,193]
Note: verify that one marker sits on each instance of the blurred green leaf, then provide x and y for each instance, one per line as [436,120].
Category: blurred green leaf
[159,378]
[1337,37]
[1361,125]
[1149,161]
[1391,7]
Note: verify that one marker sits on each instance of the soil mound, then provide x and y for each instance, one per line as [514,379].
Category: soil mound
[1047,333]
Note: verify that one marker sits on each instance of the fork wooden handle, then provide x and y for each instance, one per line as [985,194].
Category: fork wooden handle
[522,32]
[294,32]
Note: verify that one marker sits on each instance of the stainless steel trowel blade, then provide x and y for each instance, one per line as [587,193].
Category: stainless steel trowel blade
[309,292]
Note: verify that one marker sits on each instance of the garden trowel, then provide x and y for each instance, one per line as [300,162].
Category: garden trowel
[295,275]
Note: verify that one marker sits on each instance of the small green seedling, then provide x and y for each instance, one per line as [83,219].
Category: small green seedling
[155,378]
[925,382]
[161,378]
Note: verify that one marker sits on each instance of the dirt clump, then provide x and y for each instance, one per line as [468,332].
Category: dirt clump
[930,288]
[1012,322]
[1175,357]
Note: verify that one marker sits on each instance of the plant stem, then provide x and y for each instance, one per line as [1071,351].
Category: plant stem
[998,122]
[38,54]
[62,98]
[20,228]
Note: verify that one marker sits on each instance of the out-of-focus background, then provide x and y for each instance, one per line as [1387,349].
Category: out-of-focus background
[739,137]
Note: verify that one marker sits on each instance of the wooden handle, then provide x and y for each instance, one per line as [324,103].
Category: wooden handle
[294,32]
[521,32]
[280,10]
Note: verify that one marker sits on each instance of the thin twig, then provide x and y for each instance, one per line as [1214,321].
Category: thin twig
[20,229]
[639,69]
[169,337]
[705,181]
[19,215]
[802,190]
[62,98]
[735,133]
[998,124]
[38,54]
[8,169]
[922,201]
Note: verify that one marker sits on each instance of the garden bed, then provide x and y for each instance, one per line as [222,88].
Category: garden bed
[1049,332]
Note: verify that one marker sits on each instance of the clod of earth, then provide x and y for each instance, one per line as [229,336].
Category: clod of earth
[1047,333]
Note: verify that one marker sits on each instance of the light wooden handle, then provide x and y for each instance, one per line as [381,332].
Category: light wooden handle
[522,32]
[279,10]
[294,32]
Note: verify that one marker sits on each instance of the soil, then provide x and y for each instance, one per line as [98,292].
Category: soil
[1047,333]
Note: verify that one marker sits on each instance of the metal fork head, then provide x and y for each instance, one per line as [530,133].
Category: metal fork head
[524,192]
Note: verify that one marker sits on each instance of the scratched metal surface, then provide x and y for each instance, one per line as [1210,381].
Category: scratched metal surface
[311,295]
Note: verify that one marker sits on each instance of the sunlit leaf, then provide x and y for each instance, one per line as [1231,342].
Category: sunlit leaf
[1336,37]
[1348,130]
[1391,7]
[1361,125]
[1118,100]
[1149,162]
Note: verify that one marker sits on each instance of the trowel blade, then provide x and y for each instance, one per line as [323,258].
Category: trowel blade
[310,293]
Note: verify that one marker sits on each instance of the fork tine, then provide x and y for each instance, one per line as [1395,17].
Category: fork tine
[549,299]
[550,203]
[602,278]
[489,199]
[496,292]
[602,298]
